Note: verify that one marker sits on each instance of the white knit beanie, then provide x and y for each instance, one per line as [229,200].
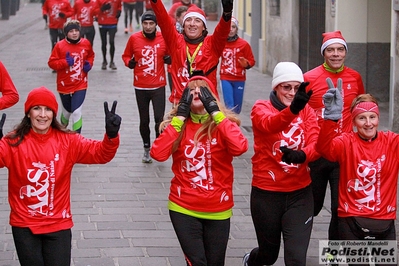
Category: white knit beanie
[285,72]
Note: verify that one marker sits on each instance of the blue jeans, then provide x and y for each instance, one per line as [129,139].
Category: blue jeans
[233,94]
[42,249]
[275,213]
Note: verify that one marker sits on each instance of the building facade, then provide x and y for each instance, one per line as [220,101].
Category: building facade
[286,30]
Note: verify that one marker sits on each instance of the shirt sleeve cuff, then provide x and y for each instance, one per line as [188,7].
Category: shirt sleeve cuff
[177,123]
[218,118]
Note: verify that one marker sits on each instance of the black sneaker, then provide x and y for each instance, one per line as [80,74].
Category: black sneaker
[112,66]
[104,66]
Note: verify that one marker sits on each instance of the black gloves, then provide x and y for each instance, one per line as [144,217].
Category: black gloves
[132,63]
[185,103]
[112,120]
[118,13]
[167,59]
[105,7]
[3,119]
[61,15]
[301,98]
[69,59]
[45,17]
[227,5]
[208,100]
[292,156]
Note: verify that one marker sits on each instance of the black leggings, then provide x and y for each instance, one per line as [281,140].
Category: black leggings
[128,10]
[88,33]
[103,34]
[143,98]
[289,213]
[323,172]
[139,8]
[55,36]
[203,242]
[42,249]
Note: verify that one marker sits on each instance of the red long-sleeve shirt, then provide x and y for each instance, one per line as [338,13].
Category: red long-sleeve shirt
[230,68]
[108,17]
[203,173]
[352,86]
[207,57]
[149,71]
[71,78]
[273,129]
[39,176]
[9,94]
[85,12]
[368,171]
[52,8]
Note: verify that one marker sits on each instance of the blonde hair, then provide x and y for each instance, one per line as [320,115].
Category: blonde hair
[208,126]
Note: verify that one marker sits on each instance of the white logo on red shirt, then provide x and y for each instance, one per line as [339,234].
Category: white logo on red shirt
[292,138]
[197,157]
[38,194]
[149,57]
[365,188]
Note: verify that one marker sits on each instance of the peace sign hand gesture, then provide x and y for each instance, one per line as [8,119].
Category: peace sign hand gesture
[112,120]
[332,100]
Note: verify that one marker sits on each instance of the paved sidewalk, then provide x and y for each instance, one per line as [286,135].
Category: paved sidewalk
[119,209]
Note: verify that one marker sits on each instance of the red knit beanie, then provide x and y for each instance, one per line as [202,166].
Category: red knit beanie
[332,37]
[41,96]
[194,11]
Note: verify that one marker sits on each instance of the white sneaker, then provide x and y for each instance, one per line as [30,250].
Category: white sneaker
[245,259]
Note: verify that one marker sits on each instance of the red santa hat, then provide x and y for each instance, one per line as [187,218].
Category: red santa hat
[197,12]
[41,96]
[332,37]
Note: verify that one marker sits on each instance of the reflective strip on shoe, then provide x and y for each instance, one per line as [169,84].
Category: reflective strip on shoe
[245,259]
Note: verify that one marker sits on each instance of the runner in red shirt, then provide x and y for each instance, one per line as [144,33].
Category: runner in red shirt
[194,50]
[285,133]
[334,50]
[369,167]
[85,11]
[40,155]
[203,137]
[72,58]
[57,12]
[145,52]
